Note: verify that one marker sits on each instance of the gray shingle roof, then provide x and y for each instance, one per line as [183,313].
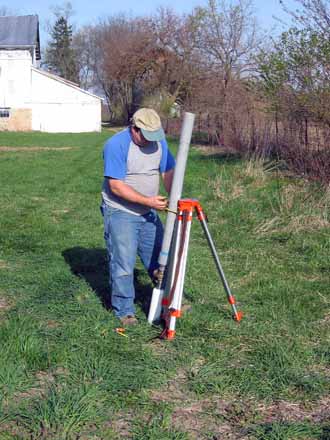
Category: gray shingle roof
[20,31]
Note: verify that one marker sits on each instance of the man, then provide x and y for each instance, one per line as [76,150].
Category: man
[133,161]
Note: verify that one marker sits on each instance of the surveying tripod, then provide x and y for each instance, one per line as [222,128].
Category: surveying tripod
[172,300]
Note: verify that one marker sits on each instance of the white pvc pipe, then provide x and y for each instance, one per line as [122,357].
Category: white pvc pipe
[155,308]
[175,195]
[177,184]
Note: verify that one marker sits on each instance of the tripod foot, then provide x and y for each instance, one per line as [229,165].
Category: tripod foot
[238,316]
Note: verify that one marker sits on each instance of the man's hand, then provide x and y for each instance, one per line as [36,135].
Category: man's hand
[158,202]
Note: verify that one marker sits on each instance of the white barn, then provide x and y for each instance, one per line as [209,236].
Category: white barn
[32,99]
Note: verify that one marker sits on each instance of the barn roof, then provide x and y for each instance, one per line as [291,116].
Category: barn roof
[20,32]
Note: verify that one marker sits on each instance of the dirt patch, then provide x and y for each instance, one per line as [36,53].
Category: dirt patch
[120,426]
[196,417]
[4,304]
[52,324]
[3,264]
[326,319]
[13,430]
[44,379]
[221,418]
[61,211]
[175,391]
[230,418]
[27,149]
[296,412]
[200,419]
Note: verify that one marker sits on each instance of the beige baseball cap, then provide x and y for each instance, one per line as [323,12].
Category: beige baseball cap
[148,121]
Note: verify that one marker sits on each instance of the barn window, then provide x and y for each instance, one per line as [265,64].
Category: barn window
[4,112]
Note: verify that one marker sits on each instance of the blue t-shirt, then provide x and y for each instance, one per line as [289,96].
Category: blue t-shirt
[139,167]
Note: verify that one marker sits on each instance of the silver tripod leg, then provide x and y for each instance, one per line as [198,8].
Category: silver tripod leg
[237,315]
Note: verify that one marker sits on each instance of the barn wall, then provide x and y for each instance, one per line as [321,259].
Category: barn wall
[15,78]
[15,89]
[66,118]
[59,107]
[38,101]
[20,120]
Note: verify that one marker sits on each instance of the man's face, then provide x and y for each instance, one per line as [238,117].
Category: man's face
[138,137]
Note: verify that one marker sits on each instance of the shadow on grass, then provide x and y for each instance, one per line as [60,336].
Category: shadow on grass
[92,266]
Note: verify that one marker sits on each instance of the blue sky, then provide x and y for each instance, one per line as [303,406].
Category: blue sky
[89,11]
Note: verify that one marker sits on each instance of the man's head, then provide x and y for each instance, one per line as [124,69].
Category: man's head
[149,124]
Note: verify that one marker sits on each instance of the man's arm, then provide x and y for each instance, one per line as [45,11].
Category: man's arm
[121,189]
[168,179]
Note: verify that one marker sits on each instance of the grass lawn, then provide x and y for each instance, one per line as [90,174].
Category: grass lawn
[66,374]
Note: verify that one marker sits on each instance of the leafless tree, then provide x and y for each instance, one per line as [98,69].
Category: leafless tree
[85,44]
[179,61]
[227,36]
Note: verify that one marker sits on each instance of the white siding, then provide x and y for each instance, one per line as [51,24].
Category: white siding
[60,107]
[66,118]
[15,78]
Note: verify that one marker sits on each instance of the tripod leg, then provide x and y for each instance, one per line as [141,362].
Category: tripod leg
[175,306]
[170,270]
[237,315]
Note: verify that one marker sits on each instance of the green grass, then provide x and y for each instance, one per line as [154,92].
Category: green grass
[66,374]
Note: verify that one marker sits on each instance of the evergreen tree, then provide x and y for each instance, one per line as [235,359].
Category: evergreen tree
[60,55]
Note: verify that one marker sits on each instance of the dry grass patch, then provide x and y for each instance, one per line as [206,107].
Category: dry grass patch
[307,223]
[28,149]
[212,150]
[256,170]
[61,211]
[325,320]
[268,226]
[299,223]
[288,198]
[38,199]
[58,214]
[219,189]
[4,304]
[4,264]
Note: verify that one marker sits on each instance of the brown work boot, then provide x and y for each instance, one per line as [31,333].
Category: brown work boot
[128,320]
